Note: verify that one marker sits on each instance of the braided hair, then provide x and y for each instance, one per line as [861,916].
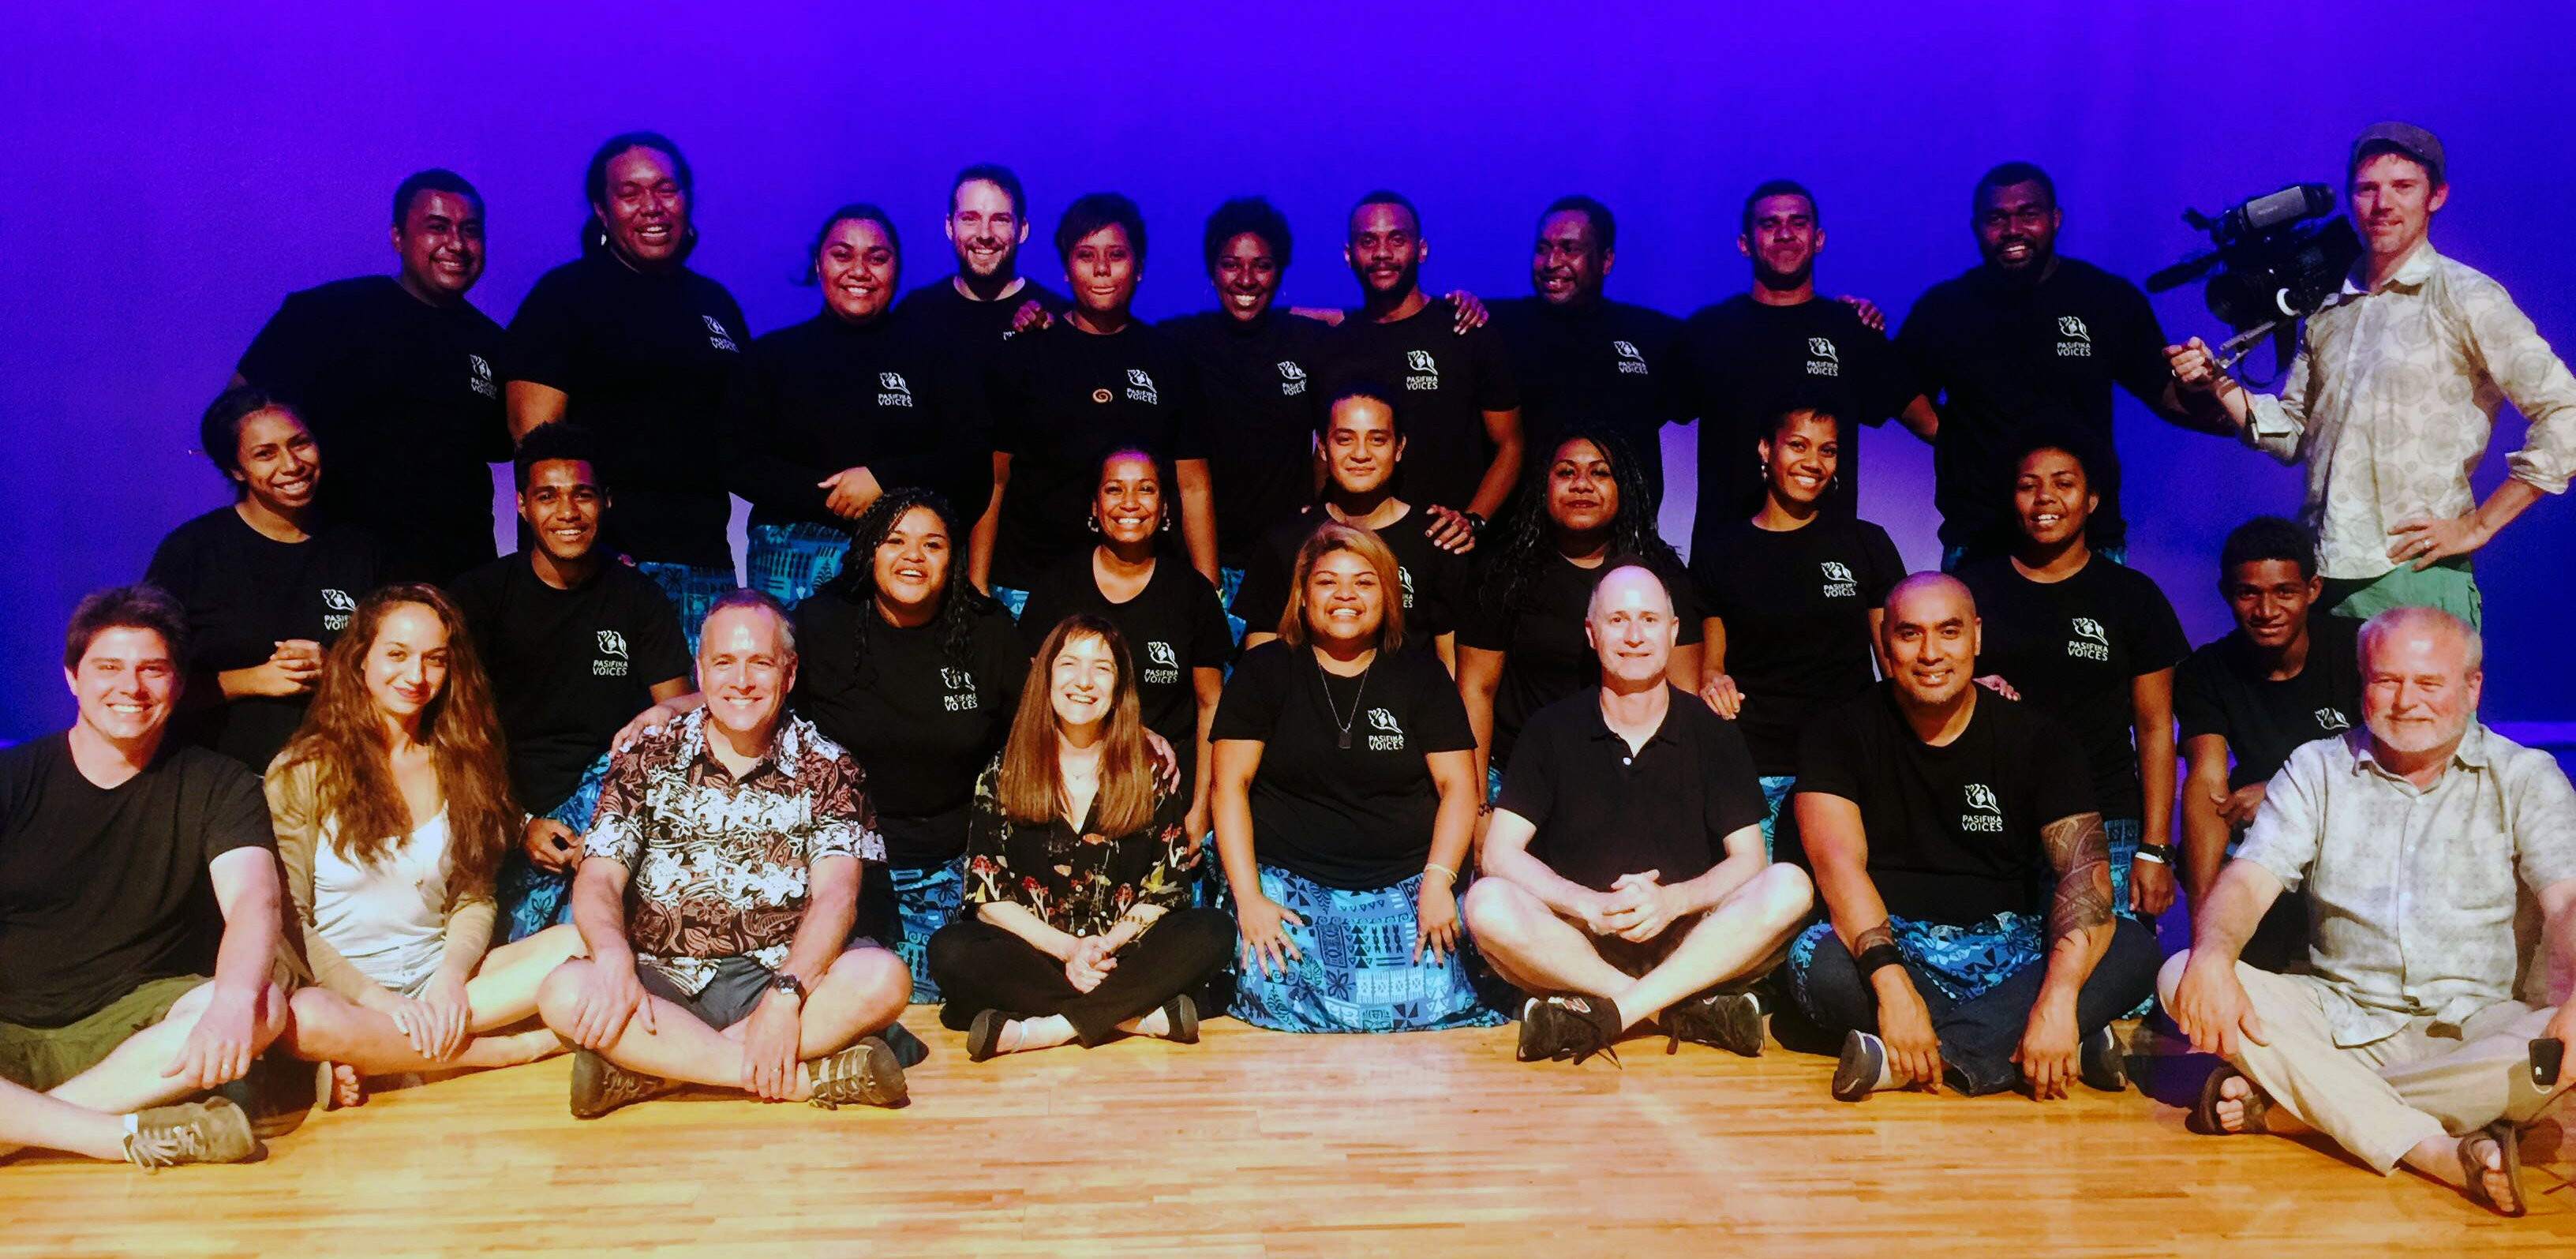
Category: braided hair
[960,603]
[1529,534]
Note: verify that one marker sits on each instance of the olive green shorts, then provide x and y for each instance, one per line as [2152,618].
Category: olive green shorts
[43,1057]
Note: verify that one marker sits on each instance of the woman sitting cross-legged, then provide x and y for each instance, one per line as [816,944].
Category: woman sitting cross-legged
[392,808]
[1078,871]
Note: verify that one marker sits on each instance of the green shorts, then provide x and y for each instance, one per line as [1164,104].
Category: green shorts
[2449,586]
[43,1057]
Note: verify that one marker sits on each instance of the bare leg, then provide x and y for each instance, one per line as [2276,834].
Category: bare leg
[863,992]
[504,988]
[131,1078]
[1040,1033]
[1151,1023]
[1748,926]
[1532,947]
[330,1028]
[30,1118]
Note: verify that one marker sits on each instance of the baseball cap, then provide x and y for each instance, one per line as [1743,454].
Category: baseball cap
[2404,137]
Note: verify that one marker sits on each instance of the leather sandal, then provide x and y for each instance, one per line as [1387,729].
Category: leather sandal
[2473,1169]
[2204,1112]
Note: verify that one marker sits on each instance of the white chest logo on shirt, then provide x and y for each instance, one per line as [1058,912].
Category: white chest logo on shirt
[1404,582]
[479,376]
[961,690]
[612,650]
[1630,361]
[1385,735]
[2329,720]
[1162,664]
[1426,373]
[892,391]
[2091,642]
[717,336]
[336,608]
[1822,358]
[1838,580]
[1161,653]
[1140,387]
[1292,378]
[2076,341]
[1984,814]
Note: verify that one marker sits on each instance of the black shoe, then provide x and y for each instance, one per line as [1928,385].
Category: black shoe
[2103,1066]
[600,1086]
[864,1074]
[1731,1021]
[1182,1014]
[1574,1027]
[1862,1068]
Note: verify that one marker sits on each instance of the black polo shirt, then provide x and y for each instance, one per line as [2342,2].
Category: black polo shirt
[1609,365]
[1449,381]
[2221,690]
[1603,810]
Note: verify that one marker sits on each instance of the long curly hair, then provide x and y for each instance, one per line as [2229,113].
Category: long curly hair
[343,736]
[1529,533]
[960,603]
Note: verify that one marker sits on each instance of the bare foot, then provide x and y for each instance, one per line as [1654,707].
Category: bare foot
[1154,1024]
[2499,1187]
[2439,1158]
[348,1088]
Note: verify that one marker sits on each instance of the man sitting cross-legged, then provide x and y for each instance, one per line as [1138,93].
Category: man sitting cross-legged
[113,1004]
[742,831]
[1624,870]
[2403,1042]
[1937,816]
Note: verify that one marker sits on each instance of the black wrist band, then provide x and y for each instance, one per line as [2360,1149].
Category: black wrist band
[1878,957]
[1475,523]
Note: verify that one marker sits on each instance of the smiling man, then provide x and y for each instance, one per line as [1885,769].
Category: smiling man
[1936,816]
[2394,393]
[987,222]
[396,376]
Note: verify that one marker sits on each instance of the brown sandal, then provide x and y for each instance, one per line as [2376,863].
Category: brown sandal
[2204,1112]
[2473,1169]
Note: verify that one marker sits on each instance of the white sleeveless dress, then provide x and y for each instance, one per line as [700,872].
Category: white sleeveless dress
[389,917]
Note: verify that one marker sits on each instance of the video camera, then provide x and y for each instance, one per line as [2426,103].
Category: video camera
[2273,270]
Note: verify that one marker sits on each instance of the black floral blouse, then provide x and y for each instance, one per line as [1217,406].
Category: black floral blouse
[1079,882]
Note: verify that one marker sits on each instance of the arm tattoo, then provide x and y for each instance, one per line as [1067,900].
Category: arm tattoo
[1883,933]
[2080,852]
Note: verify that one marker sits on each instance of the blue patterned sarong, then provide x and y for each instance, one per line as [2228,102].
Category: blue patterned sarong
[1229,582]
[1013,600]
[1776,790]
[926,898]
[532,900]
[1356,971]
[790,561]
[1963,961]
[692,590]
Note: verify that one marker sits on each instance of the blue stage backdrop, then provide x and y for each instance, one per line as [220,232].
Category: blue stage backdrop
[177,169]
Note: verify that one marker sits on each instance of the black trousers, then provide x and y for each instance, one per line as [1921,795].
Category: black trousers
[979,967]
[1978,1037]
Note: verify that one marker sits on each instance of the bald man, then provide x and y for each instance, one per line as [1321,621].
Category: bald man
[1958,849]
[2412,837]
[1624,870]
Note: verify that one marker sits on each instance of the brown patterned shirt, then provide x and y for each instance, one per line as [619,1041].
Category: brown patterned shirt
[718,864]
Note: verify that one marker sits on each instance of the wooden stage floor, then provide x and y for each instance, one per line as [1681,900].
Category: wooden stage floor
[1255,1144]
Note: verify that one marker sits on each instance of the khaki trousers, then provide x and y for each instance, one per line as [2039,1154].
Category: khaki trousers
[2379,1099]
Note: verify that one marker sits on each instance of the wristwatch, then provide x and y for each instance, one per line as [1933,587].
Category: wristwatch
[789,984]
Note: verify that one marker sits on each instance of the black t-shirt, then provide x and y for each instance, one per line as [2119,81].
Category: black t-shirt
[1603,810]
[1263,405]
[1449,382]
[1611,366]
[920,726]
[1953,831]
[1062,398]
[2221,690]
[1172,626]
[244,592]
[405,400]
[2071,647]
[1796,608]
[1741,358]
[569,667]
[102,892]
[1546,655]
[2008,362]
[1431,582]
[823,395]
[973,329]
[643,361]
[1357,818]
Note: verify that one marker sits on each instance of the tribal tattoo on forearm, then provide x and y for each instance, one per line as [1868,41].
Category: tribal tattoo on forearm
[2080,851]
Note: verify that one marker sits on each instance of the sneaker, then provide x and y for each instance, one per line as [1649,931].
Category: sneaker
[865,1073]
[1574,1027]
[2103,1066]
[600,1086]
[211,1131]
[1862,1069]
[1731,1021]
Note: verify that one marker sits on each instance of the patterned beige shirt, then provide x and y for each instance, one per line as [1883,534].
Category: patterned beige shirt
[2412,892]
[2392,397]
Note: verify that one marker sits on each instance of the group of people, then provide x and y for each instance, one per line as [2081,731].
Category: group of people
[1321,669]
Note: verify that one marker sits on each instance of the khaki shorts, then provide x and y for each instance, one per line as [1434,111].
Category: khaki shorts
[41,1058]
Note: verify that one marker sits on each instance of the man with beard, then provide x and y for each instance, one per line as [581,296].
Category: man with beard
[1463,419]
[1582,360]
[394,375]
[987,222]
[1777,340]
[2026,344]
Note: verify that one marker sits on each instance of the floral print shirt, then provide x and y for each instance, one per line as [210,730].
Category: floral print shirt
[717,864]
[1079,881]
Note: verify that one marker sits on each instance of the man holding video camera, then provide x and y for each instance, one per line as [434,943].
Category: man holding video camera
[2392,397]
